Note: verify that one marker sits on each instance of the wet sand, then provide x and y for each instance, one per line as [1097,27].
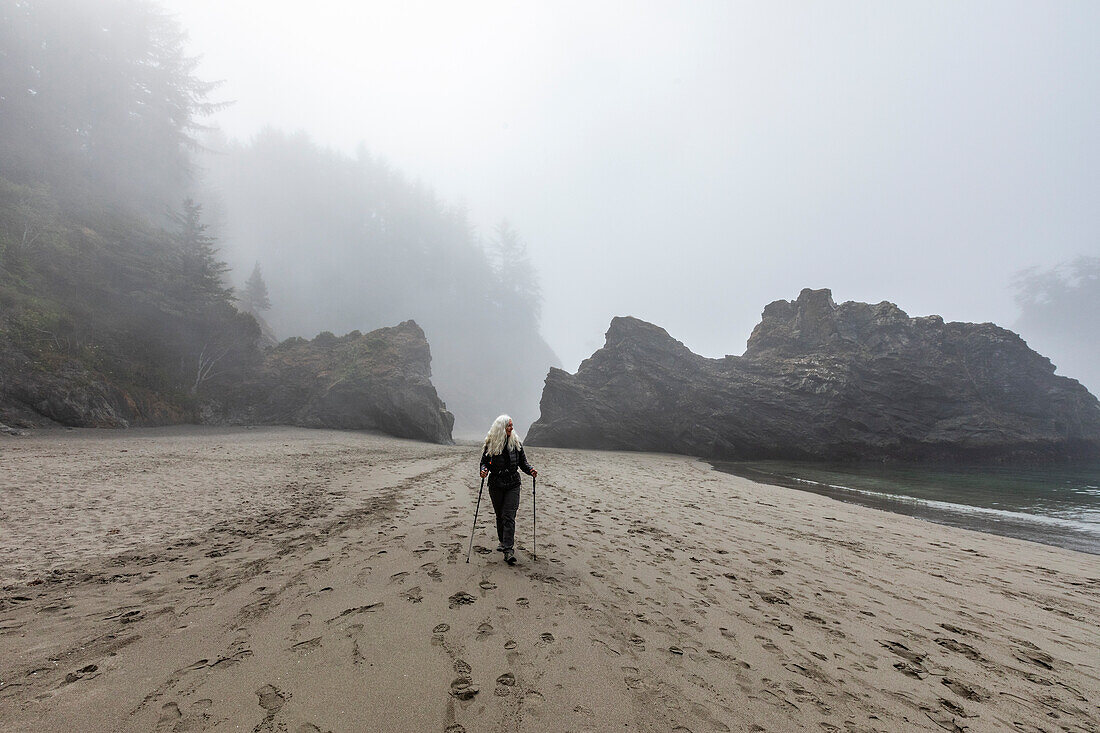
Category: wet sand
[293,580]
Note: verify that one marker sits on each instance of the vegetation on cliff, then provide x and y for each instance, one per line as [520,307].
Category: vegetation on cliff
[113,306]
[115,302]
[94,297]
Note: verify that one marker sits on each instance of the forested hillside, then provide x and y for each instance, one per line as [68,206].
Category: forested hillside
[116,305]
[348,243]
[113,306]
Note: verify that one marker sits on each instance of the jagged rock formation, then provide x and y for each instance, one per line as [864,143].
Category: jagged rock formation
[822,381]
[375,381]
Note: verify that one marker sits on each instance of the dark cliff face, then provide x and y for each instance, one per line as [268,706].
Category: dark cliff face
[375,381]
[822,381]
[65,391]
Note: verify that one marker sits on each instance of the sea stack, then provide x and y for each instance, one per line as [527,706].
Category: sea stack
[823,381]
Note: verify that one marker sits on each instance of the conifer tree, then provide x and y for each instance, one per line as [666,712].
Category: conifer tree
[99,99]
[203,272]
[515,272]
[254,296]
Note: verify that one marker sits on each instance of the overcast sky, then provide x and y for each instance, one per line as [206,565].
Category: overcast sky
[687,163]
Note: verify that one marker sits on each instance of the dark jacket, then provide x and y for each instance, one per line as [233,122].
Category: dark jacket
[504,468]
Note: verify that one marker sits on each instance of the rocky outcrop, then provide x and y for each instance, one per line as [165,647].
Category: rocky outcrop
[375,381]
[65,391]
[822,381]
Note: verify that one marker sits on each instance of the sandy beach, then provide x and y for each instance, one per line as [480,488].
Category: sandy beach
[282,579]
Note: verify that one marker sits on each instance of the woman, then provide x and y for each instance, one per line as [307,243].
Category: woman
[501,456]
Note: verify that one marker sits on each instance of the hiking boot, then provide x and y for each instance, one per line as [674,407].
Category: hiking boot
[509,557]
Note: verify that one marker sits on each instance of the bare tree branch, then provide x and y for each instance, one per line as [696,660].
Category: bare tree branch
[208,359]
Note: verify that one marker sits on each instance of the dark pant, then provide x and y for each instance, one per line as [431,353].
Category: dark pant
[505,504]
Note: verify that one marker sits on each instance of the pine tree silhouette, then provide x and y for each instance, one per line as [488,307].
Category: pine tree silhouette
[254,296]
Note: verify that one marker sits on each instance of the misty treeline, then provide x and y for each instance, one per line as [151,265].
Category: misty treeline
[99,101]
[347,242]
[113,250]
[108,272]
[1060,314]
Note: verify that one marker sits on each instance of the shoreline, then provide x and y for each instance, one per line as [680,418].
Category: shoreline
[1052,531]
[315,580]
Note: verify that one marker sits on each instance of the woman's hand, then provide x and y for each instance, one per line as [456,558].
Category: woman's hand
[534,473]
[484,473]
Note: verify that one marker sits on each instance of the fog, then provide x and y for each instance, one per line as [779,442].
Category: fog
[688,163]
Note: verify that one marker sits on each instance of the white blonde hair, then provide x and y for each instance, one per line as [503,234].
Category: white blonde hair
[494,441]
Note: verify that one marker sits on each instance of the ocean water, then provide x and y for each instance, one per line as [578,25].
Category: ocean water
[1053,504]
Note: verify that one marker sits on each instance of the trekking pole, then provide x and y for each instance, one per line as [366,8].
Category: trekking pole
[474,528]
[534,522]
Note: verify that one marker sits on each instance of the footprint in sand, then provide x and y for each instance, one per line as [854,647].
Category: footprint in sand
[369,608]
[971,653]
[309,728]
[302,622]
[441,628]
[235,658]
[169,714]
[487,585]
[631,677]
[523,602]
[768,644]
[271,699]
[80,673]
[433,571]
[463,688]
[959,630]
[304,647]
[505,683]
[413,595]
[510,644]
[975,693]
[131,616]
[484,629]
[1033,655]
[462,598]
